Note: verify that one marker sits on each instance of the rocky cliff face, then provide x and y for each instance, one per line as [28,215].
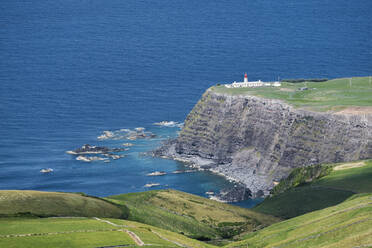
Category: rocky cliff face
[258,141]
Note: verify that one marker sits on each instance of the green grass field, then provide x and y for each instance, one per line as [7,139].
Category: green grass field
[85,232]
[321,193]
[321,96]
[152,234]
[44,204]
[358,180]
[191,215]
[348,224]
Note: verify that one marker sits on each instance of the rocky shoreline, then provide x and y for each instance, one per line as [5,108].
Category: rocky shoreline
[238,192]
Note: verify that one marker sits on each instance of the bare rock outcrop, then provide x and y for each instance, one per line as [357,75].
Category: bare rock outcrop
[257,141]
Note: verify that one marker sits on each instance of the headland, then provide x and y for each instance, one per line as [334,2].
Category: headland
[257,135]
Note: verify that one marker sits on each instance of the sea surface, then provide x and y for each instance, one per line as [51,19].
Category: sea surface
[70,70]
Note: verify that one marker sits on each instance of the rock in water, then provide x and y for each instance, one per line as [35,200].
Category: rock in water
[47,170]
[88,149]
[150,185]
[157,173]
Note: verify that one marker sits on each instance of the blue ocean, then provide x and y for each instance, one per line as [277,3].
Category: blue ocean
[70,70]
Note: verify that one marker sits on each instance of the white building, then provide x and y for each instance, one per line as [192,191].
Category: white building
[246,83]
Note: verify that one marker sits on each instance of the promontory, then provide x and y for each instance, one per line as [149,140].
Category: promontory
[258,135]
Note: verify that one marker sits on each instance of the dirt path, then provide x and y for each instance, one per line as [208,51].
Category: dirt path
[174,242]
[349,166]
[131,234]
[109,222]
[356,110]
[135,238]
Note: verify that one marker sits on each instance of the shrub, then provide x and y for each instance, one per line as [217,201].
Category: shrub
[300,176]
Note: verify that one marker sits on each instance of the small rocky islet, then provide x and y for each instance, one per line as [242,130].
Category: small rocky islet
[84,153]
[127,134]
[106,154]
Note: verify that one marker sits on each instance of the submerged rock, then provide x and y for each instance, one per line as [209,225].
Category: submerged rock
[150,185]
[157,173]
[127,144]
[47,170]
[137,133]
[106,135]
[90,159]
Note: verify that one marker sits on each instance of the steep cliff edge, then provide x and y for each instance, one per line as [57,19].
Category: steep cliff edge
[258,141]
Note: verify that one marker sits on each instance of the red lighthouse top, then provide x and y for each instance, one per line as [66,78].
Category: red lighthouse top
[245,75]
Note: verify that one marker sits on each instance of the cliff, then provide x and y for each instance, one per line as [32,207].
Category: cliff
[258,141]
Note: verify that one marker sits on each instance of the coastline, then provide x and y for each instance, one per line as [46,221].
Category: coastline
[202,164]
[255,141]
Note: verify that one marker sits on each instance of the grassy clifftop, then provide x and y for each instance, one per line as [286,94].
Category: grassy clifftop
[45,204]
[334,94]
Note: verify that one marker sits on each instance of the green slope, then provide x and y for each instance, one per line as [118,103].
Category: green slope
[330,95]
[85,232]
[44,204]
[321,188]
[320,193]
[348,224]
[191,215]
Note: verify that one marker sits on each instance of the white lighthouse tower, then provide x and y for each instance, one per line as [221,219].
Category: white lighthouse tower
[245,78]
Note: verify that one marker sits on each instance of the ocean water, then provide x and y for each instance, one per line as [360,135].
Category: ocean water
[72,69]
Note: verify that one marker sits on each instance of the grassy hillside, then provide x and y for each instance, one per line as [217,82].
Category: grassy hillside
[44,204]
[343,181]
[176,211]
[330,95]
[86,232]
[348,224]
[164,218]
[191,215]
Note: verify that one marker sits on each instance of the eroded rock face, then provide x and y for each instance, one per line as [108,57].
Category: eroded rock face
[257,141]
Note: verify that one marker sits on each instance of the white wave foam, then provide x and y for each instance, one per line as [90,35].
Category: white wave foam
[169,124]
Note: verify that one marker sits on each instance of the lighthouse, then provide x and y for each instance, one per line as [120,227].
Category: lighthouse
[245,78]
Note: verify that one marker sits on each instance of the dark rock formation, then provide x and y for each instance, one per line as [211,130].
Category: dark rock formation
[105,152]
[258,141]
[234,194]
[88,149]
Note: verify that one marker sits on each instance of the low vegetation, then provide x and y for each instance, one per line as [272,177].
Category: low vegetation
[302,175]
[191,215]
[297,195]
[335,94]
